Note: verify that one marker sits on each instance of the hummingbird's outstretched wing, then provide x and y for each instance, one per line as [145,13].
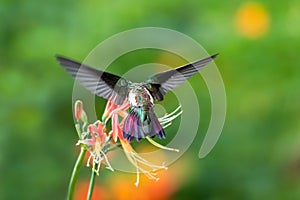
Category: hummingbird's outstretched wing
[100,83]
[159,84]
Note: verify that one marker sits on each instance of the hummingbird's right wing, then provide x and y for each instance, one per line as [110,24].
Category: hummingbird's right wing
[159,84]
[100,83]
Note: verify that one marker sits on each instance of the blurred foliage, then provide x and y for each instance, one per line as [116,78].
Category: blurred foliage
[258,154]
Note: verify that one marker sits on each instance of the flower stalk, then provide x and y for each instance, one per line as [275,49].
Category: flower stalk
[75,172]
[91,186]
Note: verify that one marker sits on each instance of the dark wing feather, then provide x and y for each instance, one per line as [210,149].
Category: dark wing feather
[100,83]
[159,84]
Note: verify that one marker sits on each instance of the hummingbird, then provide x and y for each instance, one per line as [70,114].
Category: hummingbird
[141,121]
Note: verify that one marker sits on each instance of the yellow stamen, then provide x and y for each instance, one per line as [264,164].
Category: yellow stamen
[161,146]
[136,160]
[107,162]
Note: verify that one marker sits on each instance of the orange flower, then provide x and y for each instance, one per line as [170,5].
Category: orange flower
[148,190]
[252,20]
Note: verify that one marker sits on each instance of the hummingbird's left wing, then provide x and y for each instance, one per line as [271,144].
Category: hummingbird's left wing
[159,84]
[100,83]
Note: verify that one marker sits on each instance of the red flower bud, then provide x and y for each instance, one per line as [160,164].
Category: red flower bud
[78,109]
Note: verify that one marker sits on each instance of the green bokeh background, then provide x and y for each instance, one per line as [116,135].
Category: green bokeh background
[258,154]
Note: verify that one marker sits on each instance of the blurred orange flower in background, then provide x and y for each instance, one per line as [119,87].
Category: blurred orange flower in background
[81,191]
[121,187]
[252,20]
[149,190]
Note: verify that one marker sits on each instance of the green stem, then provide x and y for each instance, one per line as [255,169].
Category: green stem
[75,173]
[91,187]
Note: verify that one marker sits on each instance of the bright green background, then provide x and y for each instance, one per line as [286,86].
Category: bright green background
[258,154]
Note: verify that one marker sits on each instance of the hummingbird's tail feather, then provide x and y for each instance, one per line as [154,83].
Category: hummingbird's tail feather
[140,124]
